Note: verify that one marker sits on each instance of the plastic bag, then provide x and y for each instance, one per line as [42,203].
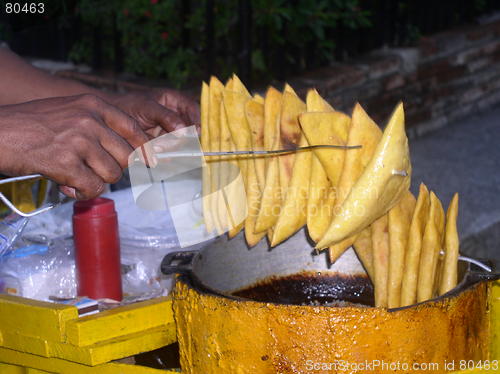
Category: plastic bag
[40,271]
[11,228]
[145,238]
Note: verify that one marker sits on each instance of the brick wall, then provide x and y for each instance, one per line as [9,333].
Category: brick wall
[447,76]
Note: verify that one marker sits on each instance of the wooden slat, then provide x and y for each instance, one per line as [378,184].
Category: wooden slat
[15,362]
[33,318]
[119,322]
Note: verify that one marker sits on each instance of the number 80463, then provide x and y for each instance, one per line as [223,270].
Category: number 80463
[27,8]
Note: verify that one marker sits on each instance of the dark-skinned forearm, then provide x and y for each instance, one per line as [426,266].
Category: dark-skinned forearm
[21,82]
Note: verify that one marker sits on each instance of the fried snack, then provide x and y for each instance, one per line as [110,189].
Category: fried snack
[294,190]
[321,191]
[330,128]
[363,131]
[321,195]
[270,205]
[255,118]
[233,204]
[451,246]
[289,89]
[253,199]
[271,197]
[214,100]
[205,144]
[258,99]
[254,110]
[272,110]
[414,247]
[321,198]
[324,128]
[233,220]
[223,169]
[315,103]
[235,102]
[383,182]
[437,259]
[238,86]
[236,197]
[431,246]
[245,136]
[364,250]
[399,226]
[293,211]
[229,84]
[380,243]
[289,136]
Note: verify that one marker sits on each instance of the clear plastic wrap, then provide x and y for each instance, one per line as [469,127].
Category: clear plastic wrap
[145,238]
[11,228]
[40,271]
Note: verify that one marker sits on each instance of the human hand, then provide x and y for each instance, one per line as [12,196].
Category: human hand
[80,142]
[159,111]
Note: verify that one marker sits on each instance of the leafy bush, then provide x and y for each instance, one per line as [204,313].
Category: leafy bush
[185,40]
[166,39]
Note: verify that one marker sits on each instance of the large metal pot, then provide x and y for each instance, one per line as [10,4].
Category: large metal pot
[219,332]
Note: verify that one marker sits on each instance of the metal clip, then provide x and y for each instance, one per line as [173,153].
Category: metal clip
[12,207]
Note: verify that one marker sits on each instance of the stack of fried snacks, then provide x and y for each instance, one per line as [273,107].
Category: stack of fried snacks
[411,253]
[346,197]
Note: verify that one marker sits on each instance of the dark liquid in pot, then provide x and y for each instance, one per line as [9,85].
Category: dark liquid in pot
[311,289]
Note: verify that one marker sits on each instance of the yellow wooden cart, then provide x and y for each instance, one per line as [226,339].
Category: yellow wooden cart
[41,337]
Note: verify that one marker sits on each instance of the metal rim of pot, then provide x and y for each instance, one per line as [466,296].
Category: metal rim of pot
[473,271]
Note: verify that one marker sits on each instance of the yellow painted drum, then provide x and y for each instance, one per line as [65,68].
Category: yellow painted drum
[219,332]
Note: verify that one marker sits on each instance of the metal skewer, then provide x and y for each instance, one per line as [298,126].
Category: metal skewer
[251,152]
[165,155]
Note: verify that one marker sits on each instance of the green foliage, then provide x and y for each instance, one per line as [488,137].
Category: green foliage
[308,22]
[153,33]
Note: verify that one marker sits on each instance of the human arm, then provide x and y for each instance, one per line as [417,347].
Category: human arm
[81,142]
[165,109]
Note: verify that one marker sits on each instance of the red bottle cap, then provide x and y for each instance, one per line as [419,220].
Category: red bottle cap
[97,207]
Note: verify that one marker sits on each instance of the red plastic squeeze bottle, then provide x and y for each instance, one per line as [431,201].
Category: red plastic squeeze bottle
[97,249]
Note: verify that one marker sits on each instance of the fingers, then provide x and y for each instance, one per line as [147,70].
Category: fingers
[68,191]
[187,108]
[155,132]
[89,159]
[103,165]
[116,146]
[118,121]
[87,169]
[167,119]
[90,154]
[78,180]
[87,184]
[123,125]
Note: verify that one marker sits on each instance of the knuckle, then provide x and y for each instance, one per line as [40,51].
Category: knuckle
[80,142]
[134,128]
[86,119]
[68,158]
[116,176]
[122,161]
[90,100]
[112,174]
